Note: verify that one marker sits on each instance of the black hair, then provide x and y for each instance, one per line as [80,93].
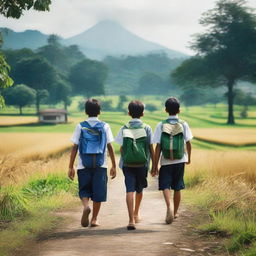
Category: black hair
[92,107]
[136,108]
[172,106]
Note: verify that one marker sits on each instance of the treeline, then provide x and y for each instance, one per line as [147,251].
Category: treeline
[52,74]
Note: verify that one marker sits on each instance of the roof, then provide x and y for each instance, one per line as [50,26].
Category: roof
[53,111]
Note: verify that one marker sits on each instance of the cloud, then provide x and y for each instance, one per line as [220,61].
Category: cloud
[168,22]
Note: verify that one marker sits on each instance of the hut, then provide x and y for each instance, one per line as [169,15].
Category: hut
[53,116]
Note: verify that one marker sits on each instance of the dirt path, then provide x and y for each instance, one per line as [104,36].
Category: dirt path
[152,237]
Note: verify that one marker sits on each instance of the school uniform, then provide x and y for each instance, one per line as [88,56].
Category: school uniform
[135,177]
[171,174]
[92,181]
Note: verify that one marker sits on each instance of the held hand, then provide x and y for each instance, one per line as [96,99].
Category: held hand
[113,172]
[154,172]
[71,173]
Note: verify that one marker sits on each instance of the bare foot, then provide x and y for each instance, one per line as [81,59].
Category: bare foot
[94,224]
[85,217]
[137,218]
[169,216]
[176,215]
[131,226]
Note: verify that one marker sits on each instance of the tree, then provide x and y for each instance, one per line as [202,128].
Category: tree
[38,74]
[225,52]
[15,9]
[88,77]
[20,95]
[151,83]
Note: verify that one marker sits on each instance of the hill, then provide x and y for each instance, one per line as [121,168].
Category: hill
[110,38]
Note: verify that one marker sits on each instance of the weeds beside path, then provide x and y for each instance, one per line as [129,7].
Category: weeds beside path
[152,237]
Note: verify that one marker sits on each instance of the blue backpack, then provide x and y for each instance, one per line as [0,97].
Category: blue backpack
[92,144]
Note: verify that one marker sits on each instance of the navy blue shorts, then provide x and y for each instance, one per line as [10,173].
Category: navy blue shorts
[171,176]
[135,178]
[93,183]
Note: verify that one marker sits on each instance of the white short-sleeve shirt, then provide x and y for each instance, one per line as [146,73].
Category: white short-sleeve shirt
[76,136]
[187,137]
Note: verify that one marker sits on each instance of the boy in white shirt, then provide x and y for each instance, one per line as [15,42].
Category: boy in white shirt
[92,179]
[171,172]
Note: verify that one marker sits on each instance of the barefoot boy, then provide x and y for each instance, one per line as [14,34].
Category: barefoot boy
[92,137]
[172,138]
[135,140]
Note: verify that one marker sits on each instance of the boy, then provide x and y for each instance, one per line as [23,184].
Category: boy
[92,172]
[135,140]
[173,159]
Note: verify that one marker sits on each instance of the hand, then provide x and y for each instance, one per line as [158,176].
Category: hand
[113,172]
[188,162]
[71,173]
[154,172]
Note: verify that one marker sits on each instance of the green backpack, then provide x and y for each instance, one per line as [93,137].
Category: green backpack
[172,139]
[135,145]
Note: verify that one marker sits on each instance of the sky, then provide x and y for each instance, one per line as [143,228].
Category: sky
[170,23]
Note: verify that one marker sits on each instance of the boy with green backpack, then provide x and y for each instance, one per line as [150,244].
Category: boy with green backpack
[136,143]
[172,137]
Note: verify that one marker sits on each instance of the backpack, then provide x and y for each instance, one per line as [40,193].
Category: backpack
[135,145]
[92,144]
[172,139]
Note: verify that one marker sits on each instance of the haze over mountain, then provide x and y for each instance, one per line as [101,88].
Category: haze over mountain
[103,39]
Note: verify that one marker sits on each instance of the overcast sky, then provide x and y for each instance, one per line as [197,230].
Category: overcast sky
[168,22]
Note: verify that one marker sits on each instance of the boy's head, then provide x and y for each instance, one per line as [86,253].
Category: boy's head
[172,106]
[92,107]
[136,109]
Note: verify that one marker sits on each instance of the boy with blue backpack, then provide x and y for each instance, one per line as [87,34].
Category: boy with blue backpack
[172,137]
[135,139]
[92,138]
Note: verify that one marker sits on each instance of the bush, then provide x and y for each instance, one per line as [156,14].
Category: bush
[151,107]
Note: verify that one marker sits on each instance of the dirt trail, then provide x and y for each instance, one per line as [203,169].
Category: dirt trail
[152,237]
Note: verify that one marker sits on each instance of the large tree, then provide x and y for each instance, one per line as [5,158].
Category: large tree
[226,51]
[15,9]
[88,77]
[38,74]
[20,95]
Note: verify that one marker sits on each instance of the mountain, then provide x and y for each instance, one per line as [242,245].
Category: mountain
[104,39]
[110,38]
[28,39]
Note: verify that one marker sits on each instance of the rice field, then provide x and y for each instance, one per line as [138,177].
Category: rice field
[230,136]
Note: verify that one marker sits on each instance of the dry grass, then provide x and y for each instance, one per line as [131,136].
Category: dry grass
[12,120]
[30,146]
[235,165]
[232,136]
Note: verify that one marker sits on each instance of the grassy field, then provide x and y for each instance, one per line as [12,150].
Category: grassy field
[221,178]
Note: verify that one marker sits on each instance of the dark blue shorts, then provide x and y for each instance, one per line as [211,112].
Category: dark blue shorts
[135,178]
[171,176]
[93,183]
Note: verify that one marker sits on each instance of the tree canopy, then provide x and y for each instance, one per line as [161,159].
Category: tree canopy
[226,51]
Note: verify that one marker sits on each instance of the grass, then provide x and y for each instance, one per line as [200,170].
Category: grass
[30,209]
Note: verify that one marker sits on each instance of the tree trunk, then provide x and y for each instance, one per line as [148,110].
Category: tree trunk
[37,103]
[20,110]
[231,119]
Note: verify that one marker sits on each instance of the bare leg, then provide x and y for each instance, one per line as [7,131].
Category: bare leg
[138,198]
[176,201]
[169,205]
[95,212]
[86,212]
[130,206]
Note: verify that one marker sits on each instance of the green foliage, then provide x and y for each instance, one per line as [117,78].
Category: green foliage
[49,186]
[20,95]
[15,9]
[151,107]
[88,77]
[224,50]
[12,204]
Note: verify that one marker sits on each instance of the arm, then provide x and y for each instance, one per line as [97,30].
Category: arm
[152,155]
[113,161]
[157,157]
[71,170]
[189,148]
